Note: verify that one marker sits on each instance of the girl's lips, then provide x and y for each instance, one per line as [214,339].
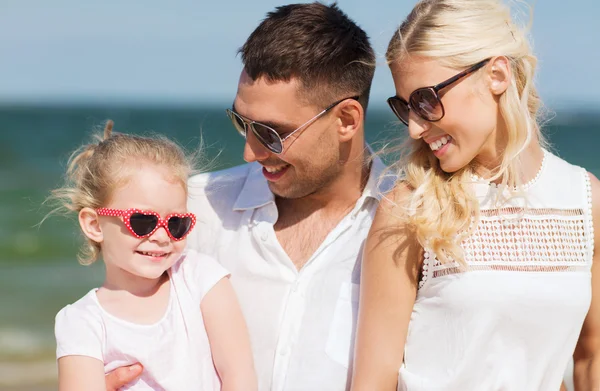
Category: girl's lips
[153,256]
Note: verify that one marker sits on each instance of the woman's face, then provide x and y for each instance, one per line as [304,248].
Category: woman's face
[469,129]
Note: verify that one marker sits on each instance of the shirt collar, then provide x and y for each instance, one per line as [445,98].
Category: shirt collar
[379,182]
[256,192]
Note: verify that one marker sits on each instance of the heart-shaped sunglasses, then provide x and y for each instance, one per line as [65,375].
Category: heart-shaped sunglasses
[143,223]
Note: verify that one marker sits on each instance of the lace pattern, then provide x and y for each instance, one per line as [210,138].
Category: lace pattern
[527,239]
[537,242]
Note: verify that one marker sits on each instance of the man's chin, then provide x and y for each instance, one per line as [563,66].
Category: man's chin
[279,191]
[286,192]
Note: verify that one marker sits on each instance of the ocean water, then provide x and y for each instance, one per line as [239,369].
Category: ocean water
[38,270]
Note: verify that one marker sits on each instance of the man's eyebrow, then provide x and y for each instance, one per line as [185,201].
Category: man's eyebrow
[278,126]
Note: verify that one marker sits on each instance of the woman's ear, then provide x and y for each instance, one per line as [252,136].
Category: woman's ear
[499,74]
[351,114]
[88,220]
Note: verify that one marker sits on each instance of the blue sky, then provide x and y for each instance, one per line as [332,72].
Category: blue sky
[185,51]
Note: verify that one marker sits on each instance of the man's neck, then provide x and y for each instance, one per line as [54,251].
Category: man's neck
[337,196]
[304,223]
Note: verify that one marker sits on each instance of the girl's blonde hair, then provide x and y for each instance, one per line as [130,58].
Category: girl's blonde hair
[458,34]
[95,170]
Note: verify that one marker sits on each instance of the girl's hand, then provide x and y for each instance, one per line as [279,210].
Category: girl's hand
[122,376]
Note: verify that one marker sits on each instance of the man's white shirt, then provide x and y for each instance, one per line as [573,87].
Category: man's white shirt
[301,322]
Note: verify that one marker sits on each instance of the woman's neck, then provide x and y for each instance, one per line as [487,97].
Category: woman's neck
[529,163]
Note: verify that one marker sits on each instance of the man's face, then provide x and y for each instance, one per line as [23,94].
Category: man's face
[310,157]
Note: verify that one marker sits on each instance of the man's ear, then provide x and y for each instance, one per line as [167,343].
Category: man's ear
[88,220]
[352,115]
[499,74]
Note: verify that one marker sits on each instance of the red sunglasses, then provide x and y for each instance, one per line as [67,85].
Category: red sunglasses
[143,223]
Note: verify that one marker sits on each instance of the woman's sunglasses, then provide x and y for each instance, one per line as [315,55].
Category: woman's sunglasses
[426,101]
[143,223]
[268,136]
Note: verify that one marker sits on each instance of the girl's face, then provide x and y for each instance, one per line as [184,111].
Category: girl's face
[150,187]
[469,129]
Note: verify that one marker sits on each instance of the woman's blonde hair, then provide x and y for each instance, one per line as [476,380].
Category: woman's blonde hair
[95,170]
[458,34]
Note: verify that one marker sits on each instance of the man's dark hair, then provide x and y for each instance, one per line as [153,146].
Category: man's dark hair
[317,44]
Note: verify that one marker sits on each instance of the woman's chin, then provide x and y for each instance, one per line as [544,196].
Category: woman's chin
[450,167]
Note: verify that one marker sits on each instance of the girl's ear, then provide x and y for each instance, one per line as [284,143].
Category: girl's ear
[88,220]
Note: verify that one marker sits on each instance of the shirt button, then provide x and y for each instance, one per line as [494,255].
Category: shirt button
[284,351]
[264,236]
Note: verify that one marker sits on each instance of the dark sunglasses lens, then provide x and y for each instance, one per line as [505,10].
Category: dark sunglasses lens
[400,108]
[426,103]
[268,137]
[179,226]
[142,224]
[238,122]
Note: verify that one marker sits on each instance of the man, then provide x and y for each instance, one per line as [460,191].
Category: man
[290,225]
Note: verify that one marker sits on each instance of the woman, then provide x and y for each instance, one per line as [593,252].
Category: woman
[479,270]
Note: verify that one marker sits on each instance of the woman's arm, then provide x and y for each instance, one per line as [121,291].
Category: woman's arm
[76,373]
[228,337]
[587,352]
[388,287]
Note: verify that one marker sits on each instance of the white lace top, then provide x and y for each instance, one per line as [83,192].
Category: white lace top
[511,320]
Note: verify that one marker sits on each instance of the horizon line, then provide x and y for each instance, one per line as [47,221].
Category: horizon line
[113,102]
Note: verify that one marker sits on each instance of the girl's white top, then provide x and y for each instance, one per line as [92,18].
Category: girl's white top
[511,320]
[174,351]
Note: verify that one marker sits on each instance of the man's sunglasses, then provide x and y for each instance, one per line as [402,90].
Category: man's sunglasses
[143,223]
[426,101]
[268,136]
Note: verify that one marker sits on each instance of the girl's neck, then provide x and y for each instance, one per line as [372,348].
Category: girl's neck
[119,280]
[135,300]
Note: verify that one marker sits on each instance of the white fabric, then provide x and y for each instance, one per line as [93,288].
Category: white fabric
[301,323]
[511,320]
[174,351]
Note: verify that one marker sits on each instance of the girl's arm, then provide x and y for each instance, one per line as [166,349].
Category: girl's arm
[587,352]
[388,287]
[228,337]
[76,373]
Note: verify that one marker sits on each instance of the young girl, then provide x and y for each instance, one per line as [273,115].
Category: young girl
[480,271]
[174,312]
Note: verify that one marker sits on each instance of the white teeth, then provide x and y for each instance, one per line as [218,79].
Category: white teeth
[438,144]
[152,254]
[274,169]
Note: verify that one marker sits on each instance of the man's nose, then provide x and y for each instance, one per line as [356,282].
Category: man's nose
[253,149]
